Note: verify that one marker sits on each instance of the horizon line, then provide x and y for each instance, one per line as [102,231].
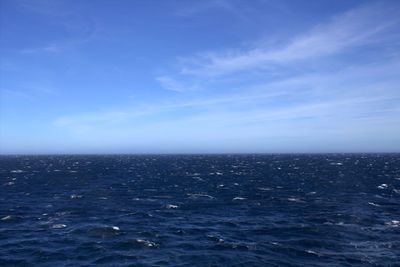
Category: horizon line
[189,154]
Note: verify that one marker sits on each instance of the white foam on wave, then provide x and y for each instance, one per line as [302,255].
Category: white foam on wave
[8,217]
[315,253]
[197,196]
[394,223]
[264,188]
[170,206]
[58,226]
[383,186]
[293,199]
[239,198]
[215,238]
[146,243]
[17,171]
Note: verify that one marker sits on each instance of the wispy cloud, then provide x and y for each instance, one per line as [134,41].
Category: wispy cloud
[78,29]
[173,85]
[15,93]
[330,98]
[194,8]
[60,45]
[367,25]
[302,98]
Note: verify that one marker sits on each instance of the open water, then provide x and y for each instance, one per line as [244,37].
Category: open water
[200,210]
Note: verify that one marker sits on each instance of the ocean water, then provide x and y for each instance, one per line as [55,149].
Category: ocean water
[200,210]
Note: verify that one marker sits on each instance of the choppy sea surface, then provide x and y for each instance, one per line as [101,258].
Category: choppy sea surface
[200,210]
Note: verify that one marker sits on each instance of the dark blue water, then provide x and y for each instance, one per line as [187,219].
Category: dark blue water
[202,210]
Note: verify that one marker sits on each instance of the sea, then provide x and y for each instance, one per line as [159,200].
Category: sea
[200,210]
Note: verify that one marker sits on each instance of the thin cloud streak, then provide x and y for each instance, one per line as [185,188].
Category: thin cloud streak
[198,7]
[243,84]
[359,27]
[77,29]
[315,92]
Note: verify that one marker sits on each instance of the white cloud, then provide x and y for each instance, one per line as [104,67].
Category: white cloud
[356,99]
[172,84]
[193,8]
[77,29]
[359,27]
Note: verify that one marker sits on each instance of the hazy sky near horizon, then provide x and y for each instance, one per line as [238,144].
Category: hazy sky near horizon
[199,76]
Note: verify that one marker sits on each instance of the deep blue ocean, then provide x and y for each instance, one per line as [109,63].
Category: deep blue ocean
[200,210]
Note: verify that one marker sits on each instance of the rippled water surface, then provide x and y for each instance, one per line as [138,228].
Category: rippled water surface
[203,210]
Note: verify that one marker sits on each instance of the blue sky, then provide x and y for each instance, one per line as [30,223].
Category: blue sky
[182,76]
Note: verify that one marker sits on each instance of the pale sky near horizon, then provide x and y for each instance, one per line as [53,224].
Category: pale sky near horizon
[177,76]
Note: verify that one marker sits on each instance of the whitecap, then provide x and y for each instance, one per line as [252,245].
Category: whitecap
[17,171]
[11,217]
[115,228]
[264,188]
[58,226]
[394,223]
[215,238]
[373,204]
[146,243]
[170,206]
[239,198]
[383,186]
[315,253]
[196,196]
[293,199]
